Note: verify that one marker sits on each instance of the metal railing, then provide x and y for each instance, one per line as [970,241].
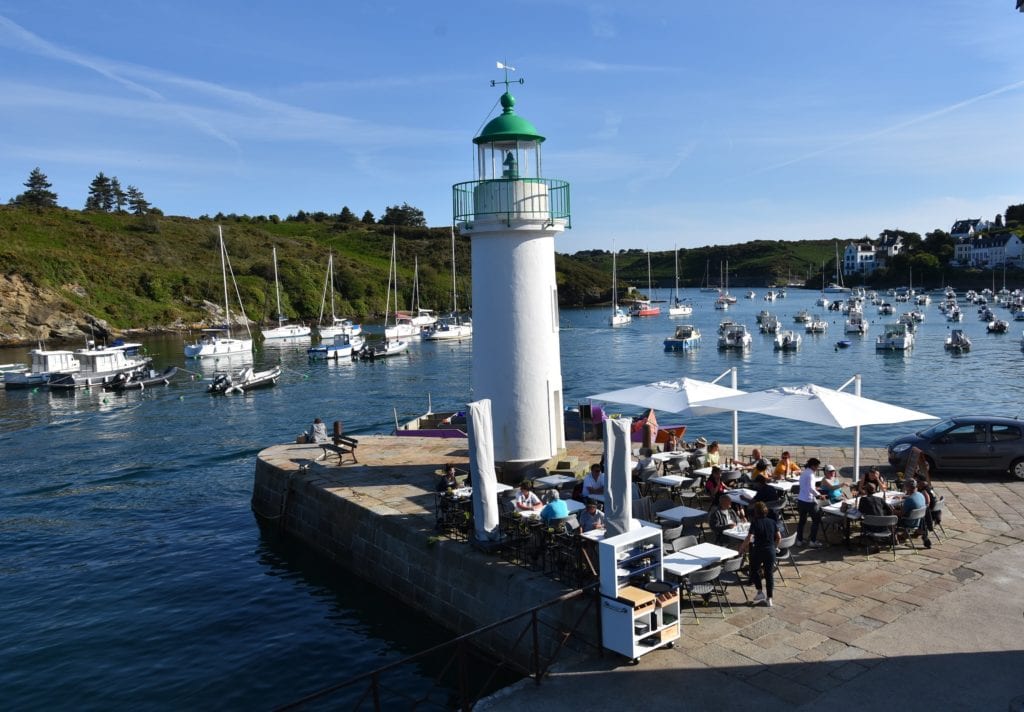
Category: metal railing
[510,199]
[374,688]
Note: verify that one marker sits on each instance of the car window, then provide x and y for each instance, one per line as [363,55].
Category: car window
[973,433]
[1002,433]
[936,429]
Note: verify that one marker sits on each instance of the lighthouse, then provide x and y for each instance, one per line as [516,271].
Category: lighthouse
[512,214]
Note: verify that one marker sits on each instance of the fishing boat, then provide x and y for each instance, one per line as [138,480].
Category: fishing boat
[816,325]
[678,307]
[44,364]
[391,345]
[769,324]
[342,346]
[141,380]
[283,330]
[454,326]
[101,365]
[896,337]
[644,307]
[788,340]
[958,342]
[686,337]
[336,325]
[244,380]
[735,338]
[218,341]
[619,316]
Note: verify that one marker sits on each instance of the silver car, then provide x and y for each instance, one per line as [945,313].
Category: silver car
[980,443]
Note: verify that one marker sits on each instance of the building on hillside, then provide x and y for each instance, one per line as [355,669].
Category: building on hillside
[1003,249]
[859,257]
[967,228]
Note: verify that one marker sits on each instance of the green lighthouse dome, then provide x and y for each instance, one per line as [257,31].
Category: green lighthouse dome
[508,126]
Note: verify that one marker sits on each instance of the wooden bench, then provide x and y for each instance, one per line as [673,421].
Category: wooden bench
[342,446]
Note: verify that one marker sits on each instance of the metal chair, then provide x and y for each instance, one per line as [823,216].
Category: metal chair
[880,529]
[678,543]
[704,583]
[731,576]
[911,523]
[937,509]
[785,553]
[694,526]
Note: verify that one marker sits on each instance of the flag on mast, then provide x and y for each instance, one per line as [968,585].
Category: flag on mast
[505,66]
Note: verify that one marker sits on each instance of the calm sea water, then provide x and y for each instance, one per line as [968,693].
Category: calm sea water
[133,573]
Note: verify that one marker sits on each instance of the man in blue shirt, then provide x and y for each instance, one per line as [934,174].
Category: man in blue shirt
[913,499]
[555,508]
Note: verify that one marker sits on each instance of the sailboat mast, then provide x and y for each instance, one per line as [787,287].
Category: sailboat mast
[455,298]
[224,278]
[277,291]
[648,275]
[330,273]
[675,293]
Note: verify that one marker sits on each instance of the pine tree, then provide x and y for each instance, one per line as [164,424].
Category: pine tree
[100,196]
[347,216]
[38,194]
[136,201]
[118,195]
[368,218]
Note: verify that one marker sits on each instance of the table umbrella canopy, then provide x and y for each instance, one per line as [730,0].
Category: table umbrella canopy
[817,404]
[684,395]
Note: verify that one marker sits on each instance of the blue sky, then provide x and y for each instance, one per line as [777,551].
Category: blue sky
[677,123]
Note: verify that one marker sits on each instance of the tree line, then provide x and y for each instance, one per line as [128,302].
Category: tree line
[105,195]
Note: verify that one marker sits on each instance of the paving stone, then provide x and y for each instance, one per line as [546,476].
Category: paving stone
[784,688]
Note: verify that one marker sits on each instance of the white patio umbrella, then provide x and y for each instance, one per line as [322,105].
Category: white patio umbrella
[685,395]
[823,406]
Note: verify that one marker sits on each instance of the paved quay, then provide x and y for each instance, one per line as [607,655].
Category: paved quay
[940,628]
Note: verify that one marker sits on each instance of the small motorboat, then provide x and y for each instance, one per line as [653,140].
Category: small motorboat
[998,326]
[958,342]
[843,344]
[141,379]
[245,380]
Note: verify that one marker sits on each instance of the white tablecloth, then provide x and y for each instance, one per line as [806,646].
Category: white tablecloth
[678,514]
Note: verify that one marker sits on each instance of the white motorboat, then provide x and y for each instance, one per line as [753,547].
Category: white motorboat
[246,379]
[44,365]
[896,337]
[998,326]
[816,325]
[686,337]
[101,365]
[283,330]
[855,322]
[769,324]
[787,340]
[736,338]
[219,342]
[342,346]
[957,341]
[802,317]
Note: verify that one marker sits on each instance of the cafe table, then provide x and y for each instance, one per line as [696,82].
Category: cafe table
[741,495]
[678,514]
[681,457]
[738,532]
[571,504]
[550,481]
[694,558]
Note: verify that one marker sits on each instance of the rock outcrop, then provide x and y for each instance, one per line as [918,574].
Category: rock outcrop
[29,314]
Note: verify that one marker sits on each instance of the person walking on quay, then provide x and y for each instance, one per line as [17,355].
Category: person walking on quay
[807,504]
[762,541]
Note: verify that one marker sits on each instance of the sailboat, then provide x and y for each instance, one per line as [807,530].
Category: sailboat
[678,308]
[644,307]
[619,315]
[392,345]
[404,327]
[283,330]
[837,287]
[420,317]
[706,286]
[336,326]
[452,326]
[218,342]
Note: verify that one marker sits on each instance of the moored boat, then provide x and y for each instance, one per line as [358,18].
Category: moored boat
[219,341]
[341,346]
[686,337]
[735,338]
[44,365]
[247,379]
[141,379]
[283,330]
[787,340]
[896,337]
[101,365]
[957,341]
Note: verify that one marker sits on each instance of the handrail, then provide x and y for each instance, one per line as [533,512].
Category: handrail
[373,676]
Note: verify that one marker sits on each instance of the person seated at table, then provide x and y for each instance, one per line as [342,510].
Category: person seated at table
[448,479]
[873,477]
[786,467]
[755,457]
[868,504]
[699,455]
[913,499]
[724,516]
[831,484]
[925,488]
[713,456]
[714,486]
[555,508]
[527,499]
[762,541]
[593,482]
[645,465]
[591,518]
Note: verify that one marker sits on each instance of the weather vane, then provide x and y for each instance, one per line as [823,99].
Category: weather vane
[506,81]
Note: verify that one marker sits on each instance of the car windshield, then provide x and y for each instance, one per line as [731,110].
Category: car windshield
[941,426]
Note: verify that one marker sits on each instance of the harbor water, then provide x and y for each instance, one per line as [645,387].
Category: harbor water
[134,574]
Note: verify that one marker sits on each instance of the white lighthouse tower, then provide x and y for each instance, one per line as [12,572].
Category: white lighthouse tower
[512,214]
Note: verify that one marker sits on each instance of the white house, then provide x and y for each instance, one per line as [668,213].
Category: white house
[859,257]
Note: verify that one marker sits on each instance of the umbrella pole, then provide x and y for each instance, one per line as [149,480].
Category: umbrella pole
[735,423]
[856,434]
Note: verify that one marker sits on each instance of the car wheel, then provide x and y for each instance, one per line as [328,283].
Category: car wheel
[1017,468]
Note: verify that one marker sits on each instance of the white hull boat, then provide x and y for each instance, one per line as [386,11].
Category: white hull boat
[44,365]
[283,330]
[247,379]
[219,342]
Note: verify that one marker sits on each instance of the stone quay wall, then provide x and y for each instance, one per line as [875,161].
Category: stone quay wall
[376,519]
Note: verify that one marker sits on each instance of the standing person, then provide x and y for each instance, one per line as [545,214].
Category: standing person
[807,505]
[594,482]
[917,466]
[671,444]
[762,541]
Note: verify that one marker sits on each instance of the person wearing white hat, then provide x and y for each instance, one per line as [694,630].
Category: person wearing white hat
[831,484]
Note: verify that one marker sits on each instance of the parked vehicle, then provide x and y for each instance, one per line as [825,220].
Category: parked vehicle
[970,442]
